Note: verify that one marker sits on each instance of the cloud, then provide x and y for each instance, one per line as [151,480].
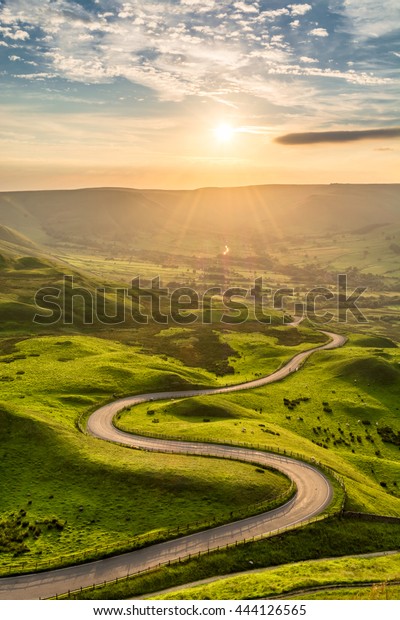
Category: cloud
[372,19]
[16,35]
[202,5]
[299,9]
[35,76]
[319,32]
[317,137]
[194,48]
[274,13]
[245,8]
[308,60]
[259,130]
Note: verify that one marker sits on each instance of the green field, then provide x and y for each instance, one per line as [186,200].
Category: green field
[51,382]
[66,493]
[68,497]
[288,579]
[352,399]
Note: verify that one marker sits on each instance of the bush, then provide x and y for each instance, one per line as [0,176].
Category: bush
[389,435]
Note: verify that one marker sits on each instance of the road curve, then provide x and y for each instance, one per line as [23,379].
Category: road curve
[313,495]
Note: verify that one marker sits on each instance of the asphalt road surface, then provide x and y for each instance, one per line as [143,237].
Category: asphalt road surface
[314,493]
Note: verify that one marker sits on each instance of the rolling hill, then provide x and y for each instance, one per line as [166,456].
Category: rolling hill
[16,239]
[144,218]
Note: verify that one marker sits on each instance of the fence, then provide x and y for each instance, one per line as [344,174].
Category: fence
[147,571]
[249,446]
[146,540]
[365,516]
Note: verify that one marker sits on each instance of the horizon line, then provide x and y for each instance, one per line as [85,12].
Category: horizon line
[195,189]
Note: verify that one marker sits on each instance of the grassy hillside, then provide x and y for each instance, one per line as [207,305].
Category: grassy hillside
[280,581]
[66,495]
[10,236]
[24,272]
[316,541]
[342,408]
[64,492]
[205,238]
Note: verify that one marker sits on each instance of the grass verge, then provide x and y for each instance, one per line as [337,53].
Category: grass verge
[314,541]
[294,577]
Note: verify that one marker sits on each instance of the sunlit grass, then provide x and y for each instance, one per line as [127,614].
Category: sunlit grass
[338,424]
[101,493]
[292,577]
[315,541]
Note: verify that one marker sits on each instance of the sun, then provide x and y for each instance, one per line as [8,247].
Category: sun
[224,132]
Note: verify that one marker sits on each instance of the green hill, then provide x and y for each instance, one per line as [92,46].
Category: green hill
[367,370]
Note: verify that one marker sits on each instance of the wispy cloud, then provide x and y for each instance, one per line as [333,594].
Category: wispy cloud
[175,49]
[258,130]
[370,18]
[316,137]
[256,63]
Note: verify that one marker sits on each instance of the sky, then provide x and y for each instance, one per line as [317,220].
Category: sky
[194,93]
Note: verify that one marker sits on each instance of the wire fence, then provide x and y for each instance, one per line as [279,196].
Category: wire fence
[104,551]
[282,452]
[189,556]
[145,540]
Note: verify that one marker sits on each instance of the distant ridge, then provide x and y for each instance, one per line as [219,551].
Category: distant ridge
[96,215]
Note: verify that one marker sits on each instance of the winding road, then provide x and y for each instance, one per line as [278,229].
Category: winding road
[314,493]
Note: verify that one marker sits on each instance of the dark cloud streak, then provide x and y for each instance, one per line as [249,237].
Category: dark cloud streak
[336,137]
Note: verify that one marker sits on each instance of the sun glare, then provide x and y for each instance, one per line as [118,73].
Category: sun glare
[224,132]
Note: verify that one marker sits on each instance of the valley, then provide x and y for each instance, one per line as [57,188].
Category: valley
[69,498]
